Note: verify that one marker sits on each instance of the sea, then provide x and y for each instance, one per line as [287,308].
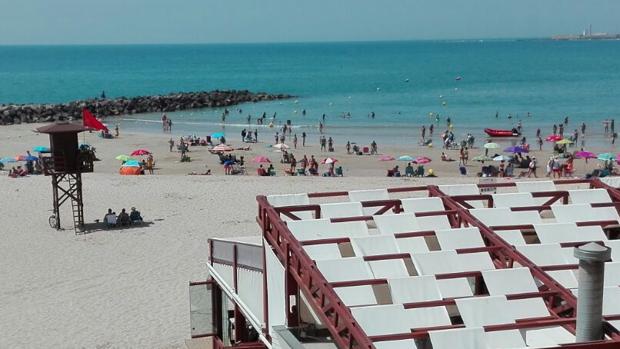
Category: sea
[405,84]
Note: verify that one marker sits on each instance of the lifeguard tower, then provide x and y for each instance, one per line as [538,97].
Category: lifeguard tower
[65,164]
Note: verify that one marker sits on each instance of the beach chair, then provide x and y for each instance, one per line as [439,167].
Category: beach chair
[369,195]
[341,209]
[414,205]
[453,239]
[463,189]
[589,196]
[291,200]
[513,200]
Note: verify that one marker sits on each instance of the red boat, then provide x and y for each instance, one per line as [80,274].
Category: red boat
[501,133]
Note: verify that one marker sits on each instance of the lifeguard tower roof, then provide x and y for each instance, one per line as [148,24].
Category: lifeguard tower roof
[444,267]
[62,127]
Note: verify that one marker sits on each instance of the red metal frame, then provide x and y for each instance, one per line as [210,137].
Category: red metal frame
[302,271]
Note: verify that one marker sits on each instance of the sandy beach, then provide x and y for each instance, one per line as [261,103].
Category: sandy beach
[127,288]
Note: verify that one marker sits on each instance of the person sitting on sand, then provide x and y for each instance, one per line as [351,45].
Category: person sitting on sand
[445,157]
[135,216]
[261,171]
[123,218]
[409,170]
[431,173]
[271,171]
[110,218]
[396,171]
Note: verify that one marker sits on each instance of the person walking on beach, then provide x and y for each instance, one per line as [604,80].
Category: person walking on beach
[169,125]
[323,143]
[116,134]
[256,135]
[561,130]
[462,156]
[243,134]
[171,143]
[540,143]
[277,136]
[532,168]
[150,161]
[613,137]
[555,129]
[423,132]
[538,132]
[431,128]
[303,139]
[164,122]
[348,146]
[583,128]
[320,127]
[295,141]
[330,144]
[613,127]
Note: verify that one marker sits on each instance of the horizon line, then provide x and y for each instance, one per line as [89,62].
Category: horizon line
[277,42]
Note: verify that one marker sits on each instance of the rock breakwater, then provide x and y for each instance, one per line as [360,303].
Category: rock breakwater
[28,113]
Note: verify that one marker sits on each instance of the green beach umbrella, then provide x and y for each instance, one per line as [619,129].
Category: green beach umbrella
[482,158]
[491,146]
[564,141]
[124,157]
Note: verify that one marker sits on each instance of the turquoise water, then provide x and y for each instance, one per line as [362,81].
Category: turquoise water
[548,79]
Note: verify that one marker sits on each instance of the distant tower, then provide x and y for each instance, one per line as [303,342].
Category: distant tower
[65,164]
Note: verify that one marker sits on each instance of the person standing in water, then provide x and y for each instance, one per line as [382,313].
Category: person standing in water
[583,128]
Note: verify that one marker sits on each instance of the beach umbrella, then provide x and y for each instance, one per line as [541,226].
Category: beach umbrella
[502,158]
[516,149]
[7,159]
[281,146]
[41,149]
[582,154]
[329,161]
[386,158]
[124,157]
[139,152]
[553,138]
[564,141]
[222,147]
[26,158]
[481,158]
[405,158]
[606,156]
[217,135]
[423,160]
[261,160]
[491,145]
[131,163]
[228,162]
[130,171]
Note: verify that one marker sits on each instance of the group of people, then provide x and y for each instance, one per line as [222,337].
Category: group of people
[166,123]
[123,219]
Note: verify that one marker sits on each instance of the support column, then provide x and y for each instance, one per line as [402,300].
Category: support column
[592,258]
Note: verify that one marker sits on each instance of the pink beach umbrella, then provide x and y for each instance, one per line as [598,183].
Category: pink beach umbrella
[582,154]
[261,160]
[222,147]
[553,138]
[329,161]
[386,158]
[423,160]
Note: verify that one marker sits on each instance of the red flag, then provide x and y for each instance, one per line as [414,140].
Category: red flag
[91,122]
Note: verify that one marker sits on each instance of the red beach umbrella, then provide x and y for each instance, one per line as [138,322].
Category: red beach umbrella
[423,160]
[139,152]
[553,138]
[329,161]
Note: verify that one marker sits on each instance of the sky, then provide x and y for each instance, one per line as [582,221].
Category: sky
[57,22]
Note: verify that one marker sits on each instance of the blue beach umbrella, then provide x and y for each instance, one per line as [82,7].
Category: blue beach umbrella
[405,158]
[516,149]
[30,158]
[6,160]
[41,149]
[217,135]
[131,163]
[606,156]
